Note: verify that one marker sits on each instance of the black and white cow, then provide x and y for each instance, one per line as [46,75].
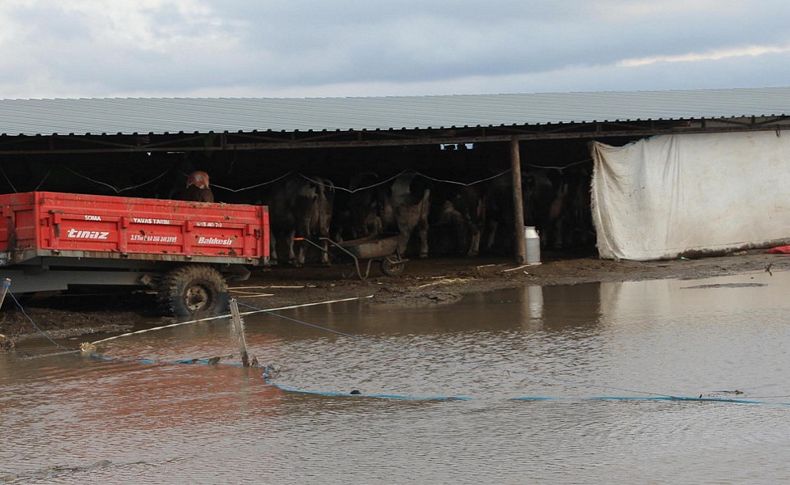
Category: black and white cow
[457,220]
[406,208]
[396,207]
[299,207]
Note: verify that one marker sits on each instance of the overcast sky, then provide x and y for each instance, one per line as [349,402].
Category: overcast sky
[298,48]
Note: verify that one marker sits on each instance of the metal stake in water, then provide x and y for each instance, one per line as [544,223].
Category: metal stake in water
[238,329]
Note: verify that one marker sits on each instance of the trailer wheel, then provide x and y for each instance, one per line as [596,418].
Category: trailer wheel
[192,289]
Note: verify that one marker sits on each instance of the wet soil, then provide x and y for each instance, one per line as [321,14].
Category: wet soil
[423,283]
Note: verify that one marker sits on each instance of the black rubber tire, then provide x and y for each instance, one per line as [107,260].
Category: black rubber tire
[193,289]
[392,266]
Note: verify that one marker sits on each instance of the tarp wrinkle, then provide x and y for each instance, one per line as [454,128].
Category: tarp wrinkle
[664,196]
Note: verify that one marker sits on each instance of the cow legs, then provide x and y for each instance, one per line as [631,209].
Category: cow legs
[300,255]
[422,232]
[272,248]
[291,252]
[325,253]
[474,246]
[404,234]
[422,223]
[492,229]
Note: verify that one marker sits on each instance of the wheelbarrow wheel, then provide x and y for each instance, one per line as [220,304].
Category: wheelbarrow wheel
[393,265]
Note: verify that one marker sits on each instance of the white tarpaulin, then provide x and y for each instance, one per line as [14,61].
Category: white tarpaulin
[667,195]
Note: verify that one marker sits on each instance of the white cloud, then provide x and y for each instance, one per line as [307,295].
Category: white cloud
[714,55]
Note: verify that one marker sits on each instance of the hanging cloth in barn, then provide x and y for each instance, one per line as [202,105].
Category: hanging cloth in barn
[671,195]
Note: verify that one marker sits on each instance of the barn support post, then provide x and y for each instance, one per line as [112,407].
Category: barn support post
[519,241]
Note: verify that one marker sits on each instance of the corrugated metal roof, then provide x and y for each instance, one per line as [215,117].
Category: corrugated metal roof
[173,115]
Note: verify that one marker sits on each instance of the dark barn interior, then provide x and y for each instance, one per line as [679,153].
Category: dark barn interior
[468,170]
[556,179]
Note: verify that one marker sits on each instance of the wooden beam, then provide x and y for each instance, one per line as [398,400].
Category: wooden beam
[519,240]
[484,136]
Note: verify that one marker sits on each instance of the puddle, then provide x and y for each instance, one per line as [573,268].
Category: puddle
[572,343]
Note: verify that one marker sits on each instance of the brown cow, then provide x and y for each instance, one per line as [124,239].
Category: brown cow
[198,189]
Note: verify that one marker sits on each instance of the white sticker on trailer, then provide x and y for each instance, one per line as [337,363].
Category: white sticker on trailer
[147,220]
[153,238]
[214,241]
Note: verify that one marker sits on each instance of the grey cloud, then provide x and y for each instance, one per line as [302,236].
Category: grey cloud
[287,45]
[519,39]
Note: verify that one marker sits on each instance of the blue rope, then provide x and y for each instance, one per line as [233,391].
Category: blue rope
[403,397]
[269,371]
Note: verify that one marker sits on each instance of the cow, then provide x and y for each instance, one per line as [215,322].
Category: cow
[198,189]
[300,207]
[570,217]
[358,213]
[398,207]
[537,196]
[457,220]
[406,208]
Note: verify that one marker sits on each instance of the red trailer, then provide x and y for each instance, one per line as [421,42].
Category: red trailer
[185,250]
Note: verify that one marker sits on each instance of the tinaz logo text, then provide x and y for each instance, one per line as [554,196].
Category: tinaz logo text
[76,234]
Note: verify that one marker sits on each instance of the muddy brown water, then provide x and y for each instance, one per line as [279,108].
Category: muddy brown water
[68,419]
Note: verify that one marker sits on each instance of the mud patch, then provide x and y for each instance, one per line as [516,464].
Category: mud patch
[401,297]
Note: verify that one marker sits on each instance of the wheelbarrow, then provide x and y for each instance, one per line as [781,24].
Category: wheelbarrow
[367,250]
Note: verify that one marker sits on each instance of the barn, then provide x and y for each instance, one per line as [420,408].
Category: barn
[637,175]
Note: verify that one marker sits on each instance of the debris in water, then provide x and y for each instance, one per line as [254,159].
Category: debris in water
[87,348]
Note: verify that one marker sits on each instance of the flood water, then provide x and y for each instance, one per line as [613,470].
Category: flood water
[68,419]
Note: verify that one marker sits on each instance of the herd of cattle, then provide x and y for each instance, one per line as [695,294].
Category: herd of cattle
[429,217]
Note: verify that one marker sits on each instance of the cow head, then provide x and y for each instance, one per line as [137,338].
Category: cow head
[199,179]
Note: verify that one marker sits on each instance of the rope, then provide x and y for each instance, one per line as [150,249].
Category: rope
[462,183]
[53,354]
[43,180]
[270,371]
[207,319]
[7,179]
[352,191]
[22,309]
[560,168]
[145,361]
[418,174]
[277,179]
[301,322]
[115,189]
[406,397]
[330,185]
